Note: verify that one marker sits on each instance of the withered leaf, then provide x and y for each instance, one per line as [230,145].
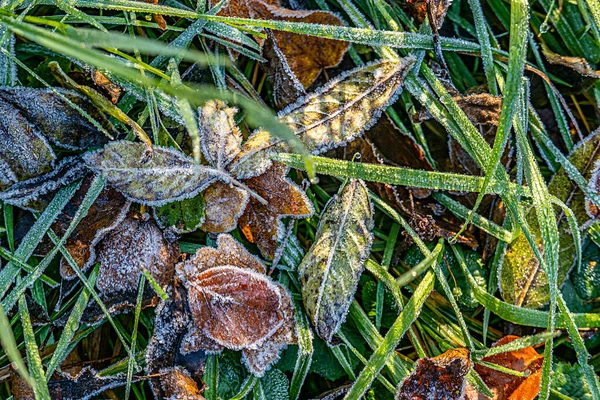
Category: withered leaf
[220,137]
[224,205]
[330,117]
[57,120]
[182,216]
[331,268]
[481,108]
[434,9]
[511,387]
[154,176]
[442,377]
[112,90]
[235,305]
[286,86]
[261,223]
[177,384]
[136,243]
[577,64]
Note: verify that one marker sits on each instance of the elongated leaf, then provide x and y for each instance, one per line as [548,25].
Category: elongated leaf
[330,270]
[154,176]
[330,117]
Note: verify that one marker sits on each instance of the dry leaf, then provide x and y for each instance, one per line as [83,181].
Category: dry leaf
[577,64]
[511,387]
[481,108]
[442,377]
[109,87]
[235,305]
[261,223]
[435,10]
[330,117]
[331,268]
[220,138]
[177,384]
[224,204]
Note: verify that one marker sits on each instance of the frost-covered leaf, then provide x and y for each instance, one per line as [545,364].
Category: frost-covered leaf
[275,385]
[569,380]
[182,216]
[481,108]
[34,194]
[587,279]
[56,119]
[224,205]
[233,304]
[331,116]
[154,176]
[261,223]
[442,377]
[577,64]
[330,271]
[135,244]
[220,137]
[177,384]
[286,86]
[505,386]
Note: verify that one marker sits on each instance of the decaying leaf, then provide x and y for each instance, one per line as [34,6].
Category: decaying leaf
[235,305]
[331,268]
[112,90]
[577,64]
[480,108]
[330,117]
[178,384]
[134,245]
[220,137]
[154,176]
[182,216]
[442,377]
[435,10]
[286,86]
[511,387]
[224,205]
[261,223]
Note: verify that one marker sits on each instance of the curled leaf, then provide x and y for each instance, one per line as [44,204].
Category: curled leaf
[261,223]
[331,268]
[330,117]
[442,377]
[154,177]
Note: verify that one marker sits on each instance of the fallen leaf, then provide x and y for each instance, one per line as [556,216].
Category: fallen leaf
[220,138]
[235,305]
[112,90]
[154,176]
[331,268]
[434,9]
[511,387]
[442,377]
[261,223]
[178,384]
[576,64]
[224,206]
[481,108]
[332,116]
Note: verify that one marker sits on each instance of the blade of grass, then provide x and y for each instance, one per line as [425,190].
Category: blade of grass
[138,309]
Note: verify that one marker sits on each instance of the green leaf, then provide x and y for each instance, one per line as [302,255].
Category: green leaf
[183,216]
[330,271]
[275,385]
[569,380]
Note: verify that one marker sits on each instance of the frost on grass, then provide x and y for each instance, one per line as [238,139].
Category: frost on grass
[154,176]
[233,304]
[135,244]
[224,205]
[36,193]
[261,223]
[330,117]
[220,137]
[443,377]
[56,119]
[331,268]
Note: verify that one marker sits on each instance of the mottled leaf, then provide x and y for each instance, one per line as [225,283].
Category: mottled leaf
[153,176]
[506,386]
[442,377]
[224,205]
[220,137]
[330,117]
[261,223]
[56,119]
[330,271]
[182,216]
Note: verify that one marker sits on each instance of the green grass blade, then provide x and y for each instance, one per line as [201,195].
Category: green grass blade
[138,309]
[7,339]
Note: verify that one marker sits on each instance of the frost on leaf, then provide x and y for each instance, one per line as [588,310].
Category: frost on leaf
[286,86]
[56,119]
[331,268]
[224,205]
[442,378]
[261,223]
[154,176]
[234,305]
[182,216]
[506,386]
[135,244]
[178,384]
[105,214]
[330,117]
[220,137]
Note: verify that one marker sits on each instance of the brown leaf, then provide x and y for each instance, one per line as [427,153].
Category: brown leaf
[136,243]
[441,378]
[481,108]
[109,87]
[435,10]
[224,205]
[261,223]
[178,384]
[576,64]
[511,387]
[234,305]
[159,19]
[220,137]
